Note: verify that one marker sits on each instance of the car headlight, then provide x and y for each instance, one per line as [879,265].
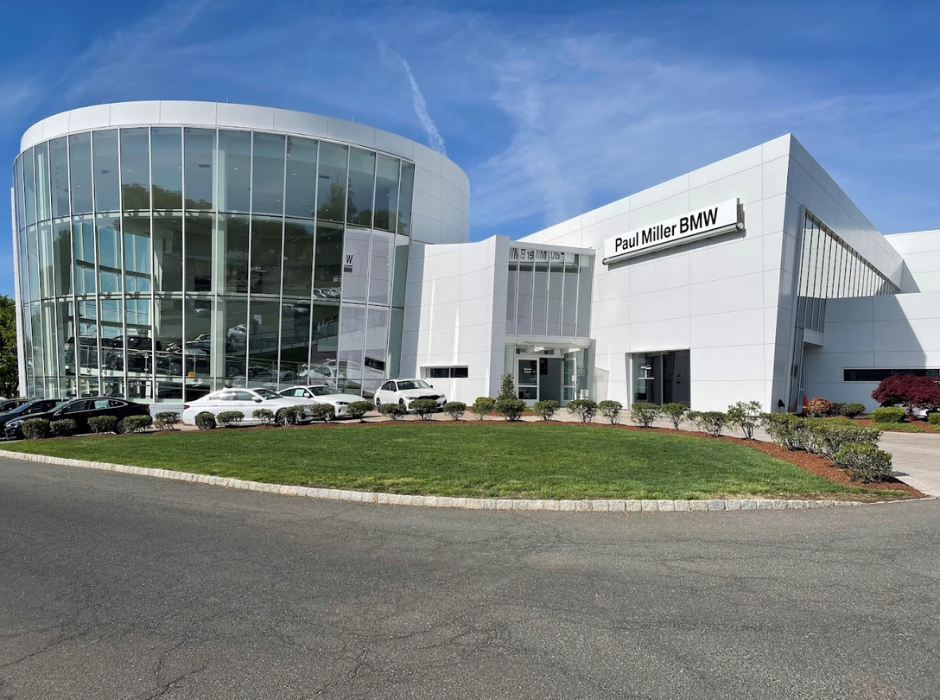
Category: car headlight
[15,423]
[342,403]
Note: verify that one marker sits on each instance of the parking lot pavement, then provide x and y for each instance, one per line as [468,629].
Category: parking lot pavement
[916,459]
[116,586]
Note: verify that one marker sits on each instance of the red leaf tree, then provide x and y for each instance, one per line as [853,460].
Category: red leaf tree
[908,391]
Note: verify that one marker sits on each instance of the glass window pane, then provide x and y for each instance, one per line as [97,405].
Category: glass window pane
[295,332]
[234,321]
[512,297]
[46,261]
[198,242]
[386,192]
[109,253]
[268,174]
[167,253]
[405,198]
[20,206]
[235,170]
[585,280]
[199,159]
[323,343]
[266,241]
[394,342]
[379,277]
[139,347]
[301,177]
[233,240]
[59,160]
[361,183]
[112,334]
[168,329]
[331,182]
[524,305]
[62,251]
[356,266]
[87,342]
[556,289]
[32,263]
[135,169]
[540,293]
[569,303]
[199,351]
[400,277]
[351,341]
[65,341]
[107,181]
[328,266]
[29,186]
[376,356]
[137,254]
[83,249]
[167,148]
[298,259]
[263,333]
[43,194]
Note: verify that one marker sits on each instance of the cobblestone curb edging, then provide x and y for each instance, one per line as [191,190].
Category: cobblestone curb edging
[593,506]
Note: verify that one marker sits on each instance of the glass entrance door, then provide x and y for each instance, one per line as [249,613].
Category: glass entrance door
[527,379]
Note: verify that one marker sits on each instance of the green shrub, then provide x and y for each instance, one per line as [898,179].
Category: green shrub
[585,409]
[675,412]
[455,409]
[713,422]
[644,413]
[827,437]
[818,407]
[392,410]
[835,408]
[205,421]
[423,408]
[852,410]
[482,406]
[167,420]
[35,428]
[746,415]
[865,463]
[265,416]
[888,414]
[319,411]
[103,424]
[136,424]
[610,410]
[63,428]
[547,408]
[510,409]
[934,419]
[358,409]
[784,429]
[230,419]
[507,389]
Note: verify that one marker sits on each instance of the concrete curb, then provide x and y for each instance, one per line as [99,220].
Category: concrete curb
[520,504]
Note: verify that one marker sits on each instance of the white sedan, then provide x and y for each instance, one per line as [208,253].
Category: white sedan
[322,394]
[247,401]
[405,391]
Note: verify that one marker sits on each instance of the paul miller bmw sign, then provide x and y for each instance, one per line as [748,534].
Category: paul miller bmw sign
[702,223]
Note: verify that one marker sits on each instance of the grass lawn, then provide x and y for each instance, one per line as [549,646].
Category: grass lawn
[526,460]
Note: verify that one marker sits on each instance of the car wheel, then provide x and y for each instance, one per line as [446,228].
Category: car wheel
[401,402]
[119,428]
[283,418]
[176,369]
[378,404]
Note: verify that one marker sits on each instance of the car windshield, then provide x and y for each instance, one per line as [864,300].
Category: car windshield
[413,384]
[320,390]
[267,394]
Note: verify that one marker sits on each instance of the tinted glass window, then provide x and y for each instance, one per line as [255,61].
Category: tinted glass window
[80,173]
[199,161]
[107,180]
[331,182]
[301,177]
[235,170]
[59,160]
[268,174]
[439,373]
[361,182]
[459,373]
[135,168]
[167,151]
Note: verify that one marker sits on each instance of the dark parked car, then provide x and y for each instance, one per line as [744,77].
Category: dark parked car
[10,404]
[80,410]
[37,408]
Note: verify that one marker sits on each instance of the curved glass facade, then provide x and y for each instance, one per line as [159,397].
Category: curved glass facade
[161,263]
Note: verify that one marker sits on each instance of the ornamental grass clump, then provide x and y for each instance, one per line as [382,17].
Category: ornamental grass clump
[455,409]
[585,409]
[610,410]
[675,413]
[644,413]
[746,415]
[483,406]
[546,408]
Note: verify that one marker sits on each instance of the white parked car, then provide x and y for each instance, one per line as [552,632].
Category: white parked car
[319,393]
[405,391]
[246,401]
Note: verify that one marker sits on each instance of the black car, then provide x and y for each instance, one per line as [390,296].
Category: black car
[10,404]
[37,408]
[80,410]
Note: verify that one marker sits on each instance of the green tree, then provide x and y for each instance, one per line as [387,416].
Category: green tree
[9,368]
[507,389]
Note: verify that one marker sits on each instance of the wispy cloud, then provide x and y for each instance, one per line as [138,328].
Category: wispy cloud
[435,140]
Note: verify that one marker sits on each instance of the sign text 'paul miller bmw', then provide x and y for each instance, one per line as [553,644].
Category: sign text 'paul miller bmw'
[701,223]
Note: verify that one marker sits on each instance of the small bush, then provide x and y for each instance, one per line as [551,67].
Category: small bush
[585,409]
[784,429]
[423,408]
[934,419]
[392,410]
[818,407]
[319,411]
[510,409]
[675,412]
[35,428]
[507,389]
[205,421]
[167,420]
[137,424]
[546,408]
[230,419]
[455,409]
[265,416]
[644,413]
[713,422]
[889,414]
[852,410]
[103,424]
[865,463]
[746,415]
[63,428]
[358,409]
[610,410]
[835,408]
[829,436]
[482,406]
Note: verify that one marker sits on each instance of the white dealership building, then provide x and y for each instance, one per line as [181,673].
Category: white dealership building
[164,249]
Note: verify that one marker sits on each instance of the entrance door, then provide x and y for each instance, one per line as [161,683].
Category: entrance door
[662,377]
[550,379]
[527,379]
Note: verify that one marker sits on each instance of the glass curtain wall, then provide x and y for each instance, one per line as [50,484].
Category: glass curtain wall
[160,263]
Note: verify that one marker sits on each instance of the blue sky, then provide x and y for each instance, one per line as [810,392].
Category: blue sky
[550,110]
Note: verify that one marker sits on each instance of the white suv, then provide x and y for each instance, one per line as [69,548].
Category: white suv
[405,391]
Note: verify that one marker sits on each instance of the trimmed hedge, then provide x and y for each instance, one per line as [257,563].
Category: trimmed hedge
[546,408]
[63,428]
[103,424]
[482,406]
[319,411]
[137,424]
[865,463]
[265,416]
[358,409]
[510,409]
[675,412]
[746,415]
[888,414]
[423,408]
[205,421]
[852,410]
[392,410]
[643,413]
[455,409]
[35,428]
[167,420]
[934,419]
[585,409]
[230,419]
[610,410]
